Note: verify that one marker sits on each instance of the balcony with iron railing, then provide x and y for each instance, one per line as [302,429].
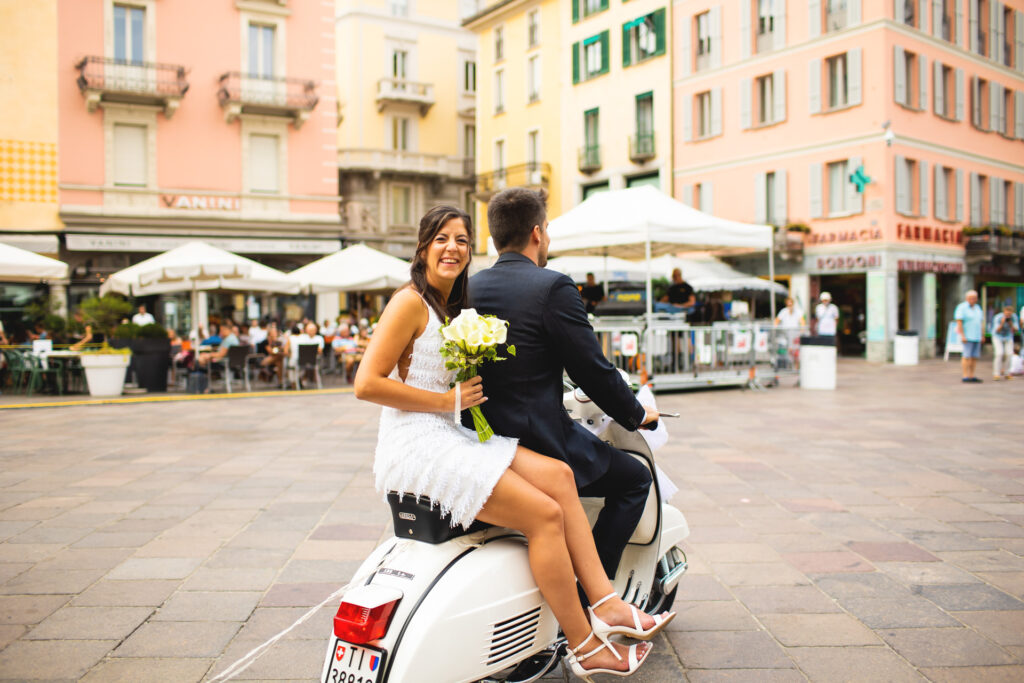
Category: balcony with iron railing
[105,79]
[986,243]
[788,239]
[590,158]
[641,148]
[241,93]
[401,91]
[405,163]
[534,174]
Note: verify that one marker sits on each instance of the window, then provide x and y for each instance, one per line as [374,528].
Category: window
[906,12]
[469,140]
[836,14]
[593,6]
[769,199]
[401,205]
[838,85]
[469,77]
[130,162]
[499,163]
[980,206]
[399,64]
[979,22]
[593,58]
[261,51]
[591,132]
[1008,115]
[1009,30]
[128,34]
[765,99]
[400,134]
[945,193]
[533,148]
[907,182]
[705,201]
[980,114]
[837,188]
[703,40]
[765,17]
[946,91]
[704,114]
[908,81]
[263,163]
[499,43]
[643,38]
[590,57]
[645,124]
[499,91]
[533,27]
[400,8]
[533,78]
[945,21]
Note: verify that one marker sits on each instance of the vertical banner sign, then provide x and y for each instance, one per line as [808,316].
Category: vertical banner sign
[930,312]
[876,306]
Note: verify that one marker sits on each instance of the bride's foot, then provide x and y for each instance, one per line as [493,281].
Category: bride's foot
[611,615]
[592,656]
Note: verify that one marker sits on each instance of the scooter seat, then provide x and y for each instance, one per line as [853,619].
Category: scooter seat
[421,519]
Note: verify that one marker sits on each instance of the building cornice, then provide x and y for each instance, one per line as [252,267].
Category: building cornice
[487,14]
[80,219]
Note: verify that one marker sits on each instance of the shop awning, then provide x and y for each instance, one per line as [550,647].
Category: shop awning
[20,265]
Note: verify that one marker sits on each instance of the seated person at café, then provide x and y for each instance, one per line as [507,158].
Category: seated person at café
[214,338]
[228,339]
[592,293]
[274,349]
[83,333]
[680,297]
[309,335]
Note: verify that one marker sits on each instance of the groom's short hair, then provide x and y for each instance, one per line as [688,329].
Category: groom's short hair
[511,215]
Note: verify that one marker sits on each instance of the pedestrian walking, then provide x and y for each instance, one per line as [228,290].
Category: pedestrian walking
[1004,329]
[826,314]
[968,318]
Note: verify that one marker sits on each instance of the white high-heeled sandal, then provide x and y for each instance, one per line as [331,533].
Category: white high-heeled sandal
[604,630]
[575,659]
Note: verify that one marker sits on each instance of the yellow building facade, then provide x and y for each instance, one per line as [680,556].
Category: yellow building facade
[28,125]
[574,96]
[406,72]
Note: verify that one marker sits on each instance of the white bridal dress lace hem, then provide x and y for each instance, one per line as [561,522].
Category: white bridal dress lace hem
[428,454]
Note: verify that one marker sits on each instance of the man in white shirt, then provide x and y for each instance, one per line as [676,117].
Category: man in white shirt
[827,315]
[142,317]
[790,317]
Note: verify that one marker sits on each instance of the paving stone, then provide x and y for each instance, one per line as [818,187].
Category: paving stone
[737,552]
[975,674]
[217,579]
[840,562]
[852,665]
[973,597]
[1003,628]
[126,593]
[52,659]
[786,600]
[51,581]
[1009,582]
[985,561]
[744,676]
[208,606]
[698,587]
[926,573]
[86,558]
[90,623]
[179,548]
[925,647]
[301,659]
[794,630]
[297,594]
[759,574]
[143,568]
[910,612]
[891,552]
[347,532]
[29,609]
[728,650]
[943,541]
[178,639]
[712,616]
[135,670]
[860,585]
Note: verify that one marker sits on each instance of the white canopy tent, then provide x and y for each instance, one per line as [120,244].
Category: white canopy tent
[705,273]
[643,222]
[355,268]
[197,267]
[21,265]
[611,268]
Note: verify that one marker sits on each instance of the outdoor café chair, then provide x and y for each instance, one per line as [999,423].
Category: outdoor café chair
[309,358]
[238,361]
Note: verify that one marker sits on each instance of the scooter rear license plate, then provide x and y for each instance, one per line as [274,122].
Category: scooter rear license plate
[350,663]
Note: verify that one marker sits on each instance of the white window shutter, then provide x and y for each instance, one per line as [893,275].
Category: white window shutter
[899,71]
[707,202]
[263,163]
[959,190]
[922,177]
[1001,34]
[684,47]
[960,95]
[922,12]
[814,85]
[852,12]
[993,106]
[975,199]
[781,207]
[938,88]
[716,111]
[779,92]
[993,199]
[130,161]
[900,171]
[814,18]
[994,46]
[854,199]
[972,27]
[936,18]
[745,41]
[687,196]
[897,11]
[688,117]
[760,198]
[939,184]
[975,102]
[716,37]
[816,207]
[779,39]
[922,82]
[1018,28]
[1018,113]
[853,65]
[1018,204]
[746,90]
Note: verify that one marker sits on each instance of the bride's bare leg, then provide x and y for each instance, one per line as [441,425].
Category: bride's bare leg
[555,479]
[518,504]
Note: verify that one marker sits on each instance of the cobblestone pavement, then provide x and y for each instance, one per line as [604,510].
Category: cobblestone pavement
[871,533]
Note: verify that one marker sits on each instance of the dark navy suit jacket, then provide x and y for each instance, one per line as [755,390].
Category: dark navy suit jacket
[549,327]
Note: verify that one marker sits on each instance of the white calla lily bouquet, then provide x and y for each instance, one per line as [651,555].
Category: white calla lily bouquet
[469,340]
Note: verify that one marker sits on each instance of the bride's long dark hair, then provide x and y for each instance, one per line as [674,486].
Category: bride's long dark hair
[430,225]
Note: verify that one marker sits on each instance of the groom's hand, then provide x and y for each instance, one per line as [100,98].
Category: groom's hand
[650,419]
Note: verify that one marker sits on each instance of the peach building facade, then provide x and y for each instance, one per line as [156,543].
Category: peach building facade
[195,120]
[893,130]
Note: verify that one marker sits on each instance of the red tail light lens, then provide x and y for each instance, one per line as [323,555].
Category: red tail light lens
[365,613]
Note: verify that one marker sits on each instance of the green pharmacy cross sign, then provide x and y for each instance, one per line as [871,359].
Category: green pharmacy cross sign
[860,179]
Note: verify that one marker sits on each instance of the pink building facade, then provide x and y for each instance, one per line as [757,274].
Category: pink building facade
[891,132]
[195,120]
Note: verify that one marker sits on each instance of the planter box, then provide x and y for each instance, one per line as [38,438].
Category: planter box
[104,373]
[151,359]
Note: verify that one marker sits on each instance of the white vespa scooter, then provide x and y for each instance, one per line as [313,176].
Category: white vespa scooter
[446,605]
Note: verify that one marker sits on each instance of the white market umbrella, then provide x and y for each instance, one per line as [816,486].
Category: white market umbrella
[643,222]
[705,273]
[197,267]
[355,268]
[612,267]
[21,265]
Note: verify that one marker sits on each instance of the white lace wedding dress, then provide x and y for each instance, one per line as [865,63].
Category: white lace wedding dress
[428,454]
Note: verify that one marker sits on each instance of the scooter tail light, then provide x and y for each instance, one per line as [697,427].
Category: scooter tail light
[365,613]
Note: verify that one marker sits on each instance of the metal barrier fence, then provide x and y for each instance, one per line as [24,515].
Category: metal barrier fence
[683,355]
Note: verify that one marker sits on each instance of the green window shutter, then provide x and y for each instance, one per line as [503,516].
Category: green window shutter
[627,58]
[605,50]
[576,62]
[659,28]
[575,11]
[604,4]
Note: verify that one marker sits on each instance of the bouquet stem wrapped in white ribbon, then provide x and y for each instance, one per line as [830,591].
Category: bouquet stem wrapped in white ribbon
[469,340]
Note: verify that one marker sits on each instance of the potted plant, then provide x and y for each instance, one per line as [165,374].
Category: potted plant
[105,370]
[151,356]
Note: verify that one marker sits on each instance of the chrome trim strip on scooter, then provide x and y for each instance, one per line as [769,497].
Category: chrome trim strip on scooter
[415,607]
[657,488]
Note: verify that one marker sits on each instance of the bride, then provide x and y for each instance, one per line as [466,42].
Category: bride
[422,450]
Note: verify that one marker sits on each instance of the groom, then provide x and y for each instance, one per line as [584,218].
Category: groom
[549,327]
